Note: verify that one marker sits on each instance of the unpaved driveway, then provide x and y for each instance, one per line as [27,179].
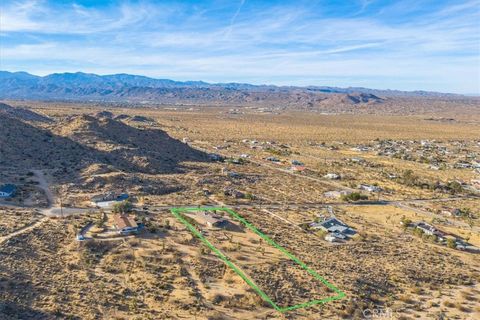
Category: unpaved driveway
[27,228]
[43,184]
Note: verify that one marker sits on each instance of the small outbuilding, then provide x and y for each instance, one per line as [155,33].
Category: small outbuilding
[7,190]
[109,199]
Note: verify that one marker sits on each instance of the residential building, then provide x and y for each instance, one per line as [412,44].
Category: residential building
[297,168]
[210,219]
[335,228]
[369,188]
[332,176]
[336,194]
[125,224]
[273,159]
[108,200]
[7,191]
[431,230]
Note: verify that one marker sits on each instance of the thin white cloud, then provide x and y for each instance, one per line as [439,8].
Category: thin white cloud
[280,42]
[64,18]
[229,29]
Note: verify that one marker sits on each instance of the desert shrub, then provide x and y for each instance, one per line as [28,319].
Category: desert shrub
[219,298]
[409,178]
[417,290]
[451,243]
[462,307]
[354,196]
[418,232]
[448,304]
[249,196]
[405,222]
[122,207]
[454,187]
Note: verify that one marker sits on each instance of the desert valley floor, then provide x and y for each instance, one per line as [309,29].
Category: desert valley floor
[385,207]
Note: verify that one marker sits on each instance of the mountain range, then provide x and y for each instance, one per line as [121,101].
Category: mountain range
[134,88]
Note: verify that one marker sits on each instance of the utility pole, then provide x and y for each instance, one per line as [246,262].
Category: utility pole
[60,196]
[61,207]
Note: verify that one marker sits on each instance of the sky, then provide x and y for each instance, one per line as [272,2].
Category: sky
[405,45]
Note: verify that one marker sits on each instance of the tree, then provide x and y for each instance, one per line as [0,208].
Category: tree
[409,178]
[101,219]
[451,243]
[405,222]
[122,207]
[354,196]
[418,232]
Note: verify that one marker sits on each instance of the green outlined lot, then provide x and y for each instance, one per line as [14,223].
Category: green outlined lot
[177,212]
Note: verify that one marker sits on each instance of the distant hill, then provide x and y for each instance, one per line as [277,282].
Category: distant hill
[79,141]
[22,113]
[132,88]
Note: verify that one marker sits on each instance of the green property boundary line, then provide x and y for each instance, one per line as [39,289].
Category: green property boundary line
[340,294]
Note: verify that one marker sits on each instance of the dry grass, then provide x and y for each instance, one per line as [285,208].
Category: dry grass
[170,274]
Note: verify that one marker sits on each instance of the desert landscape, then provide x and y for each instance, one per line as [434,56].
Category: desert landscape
[402,190]
[240,160]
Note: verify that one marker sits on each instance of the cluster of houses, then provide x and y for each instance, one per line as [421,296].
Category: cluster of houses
[336,230]
[442,237]
[254,144]
[456,155]
[7,191]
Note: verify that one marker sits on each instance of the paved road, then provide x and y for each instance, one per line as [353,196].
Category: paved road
[64,212]
[273,205]
[399,203]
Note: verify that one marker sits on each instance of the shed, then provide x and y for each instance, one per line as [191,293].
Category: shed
[7,190]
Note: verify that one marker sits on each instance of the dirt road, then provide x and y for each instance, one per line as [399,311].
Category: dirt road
[23,230]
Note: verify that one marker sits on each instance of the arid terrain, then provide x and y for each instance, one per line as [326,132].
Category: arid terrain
[399,179]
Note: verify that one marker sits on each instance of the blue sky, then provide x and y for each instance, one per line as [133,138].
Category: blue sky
[406,45]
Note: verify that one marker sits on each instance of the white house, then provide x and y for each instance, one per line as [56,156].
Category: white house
[369,188]
[332,176]
[108,200]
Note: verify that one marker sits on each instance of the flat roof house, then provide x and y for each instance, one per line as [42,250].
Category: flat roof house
[335,228]
[211,220]
[369,188]
[336,194]
[332,176]
[7,190]
[297,168]
[125,224]
[108,199]
[431,230]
